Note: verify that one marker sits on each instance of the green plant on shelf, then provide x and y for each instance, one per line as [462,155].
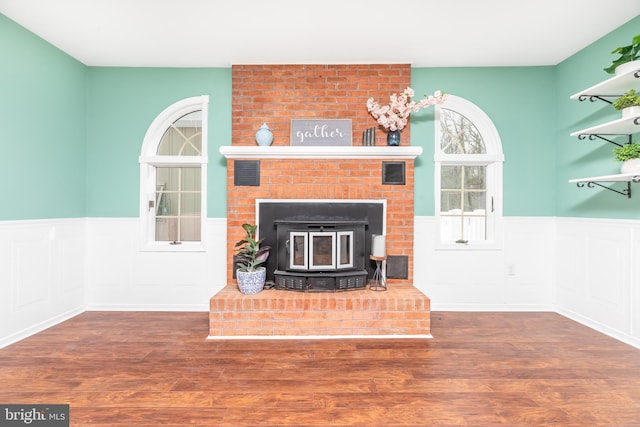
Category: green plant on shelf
[627,53]
[629,99]
[627,152]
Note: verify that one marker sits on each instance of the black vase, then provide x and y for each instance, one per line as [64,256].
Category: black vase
[393,137]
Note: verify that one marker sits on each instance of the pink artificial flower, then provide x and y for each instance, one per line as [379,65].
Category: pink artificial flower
[395,116]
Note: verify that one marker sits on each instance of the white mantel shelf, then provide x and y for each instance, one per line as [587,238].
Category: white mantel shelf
[320,152]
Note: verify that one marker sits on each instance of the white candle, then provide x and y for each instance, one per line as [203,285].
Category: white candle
[377,245]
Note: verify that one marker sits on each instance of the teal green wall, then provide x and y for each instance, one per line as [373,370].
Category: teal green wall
[575,158]
[122,103]
[521,103]
[42,132]
[71,135]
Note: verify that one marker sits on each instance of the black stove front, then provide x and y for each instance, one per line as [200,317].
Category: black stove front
[320,255]
[319,246]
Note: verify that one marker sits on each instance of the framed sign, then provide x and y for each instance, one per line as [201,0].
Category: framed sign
[321,132]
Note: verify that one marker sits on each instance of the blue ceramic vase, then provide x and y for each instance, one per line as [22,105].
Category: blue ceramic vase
[393,137]
[264,135]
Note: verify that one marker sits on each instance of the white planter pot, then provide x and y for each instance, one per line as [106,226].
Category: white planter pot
[631,111]
[630,166]
[626,67]
[251,282]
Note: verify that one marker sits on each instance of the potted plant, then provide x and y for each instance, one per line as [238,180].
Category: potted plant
[249,257]
[629,103]
[629,57]
[629,155]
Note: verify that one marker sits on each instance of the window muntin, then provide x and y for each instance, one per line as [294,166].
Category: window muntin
[178,188]
[468,177]
[183,137]
[463,201]
[459,135]
[179,206]
[173,178]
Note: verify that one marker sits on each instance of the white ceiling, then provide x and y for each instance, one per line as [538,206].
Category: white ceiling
[424,33]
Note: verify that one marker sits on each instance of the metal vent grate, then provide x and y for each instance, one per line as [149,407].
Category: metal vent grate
[246,173]
[397,267]
[393,173]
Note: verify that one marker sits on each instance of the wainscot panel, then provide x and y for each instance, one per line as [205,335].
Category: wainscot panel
[121,277]
[598,280]
[42,266]
[517,276]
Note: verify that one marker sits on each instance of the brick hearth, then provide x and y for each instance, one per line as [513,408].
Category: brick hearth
[400,311]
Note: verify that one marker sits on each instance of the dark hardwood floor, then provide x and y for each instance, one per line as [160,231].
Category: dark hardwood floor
[480,369]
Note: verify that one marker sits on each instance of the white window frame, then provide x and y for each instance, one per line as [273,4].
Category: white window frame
[493,160]
[149,160]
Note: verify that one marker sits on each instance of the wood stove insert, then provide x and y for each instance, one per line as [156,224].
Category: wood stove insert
[320,246]
[320,255]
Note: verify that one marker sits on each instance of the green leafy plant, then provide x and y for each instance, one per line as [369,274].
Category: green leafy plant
[629,99]
[249,253]
[627,151]
[627,54]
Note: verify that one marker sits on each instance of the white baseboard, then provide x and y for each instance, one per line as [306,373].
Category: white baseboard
[613,333]
[492,307]
[39,327]
[149,307]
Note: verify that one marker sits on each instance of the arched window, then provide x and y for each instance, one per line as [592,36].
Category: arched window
[173,170]
[468,175]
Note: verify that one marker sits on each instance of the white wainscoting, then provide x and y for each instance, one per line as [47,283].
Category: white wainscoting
[598,276]
[121,277]
[585,269]
[519,276]
[42,270]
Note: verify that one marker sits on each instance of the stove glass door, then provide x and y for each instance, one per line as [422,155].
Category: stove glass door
[298,253]
[345,249]
[322,250]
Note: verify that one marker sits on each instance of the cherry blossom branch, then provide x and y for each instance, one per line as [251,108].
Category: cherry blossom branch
[395,116]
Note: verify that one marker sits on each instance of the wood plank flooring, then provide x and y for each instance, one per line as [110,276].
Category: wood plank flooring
[480,369]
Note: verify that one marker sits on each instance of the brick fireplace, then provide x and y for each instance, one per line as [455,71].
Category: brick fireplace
[275,94]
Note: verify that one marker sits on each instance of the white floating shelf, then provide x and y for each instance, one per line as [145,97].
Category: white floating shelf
[320,152]
[626,126]
[613,87]
[622,177]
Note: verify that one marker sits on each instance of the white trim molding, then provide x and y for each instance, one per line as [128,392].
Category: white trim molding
[320,152]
